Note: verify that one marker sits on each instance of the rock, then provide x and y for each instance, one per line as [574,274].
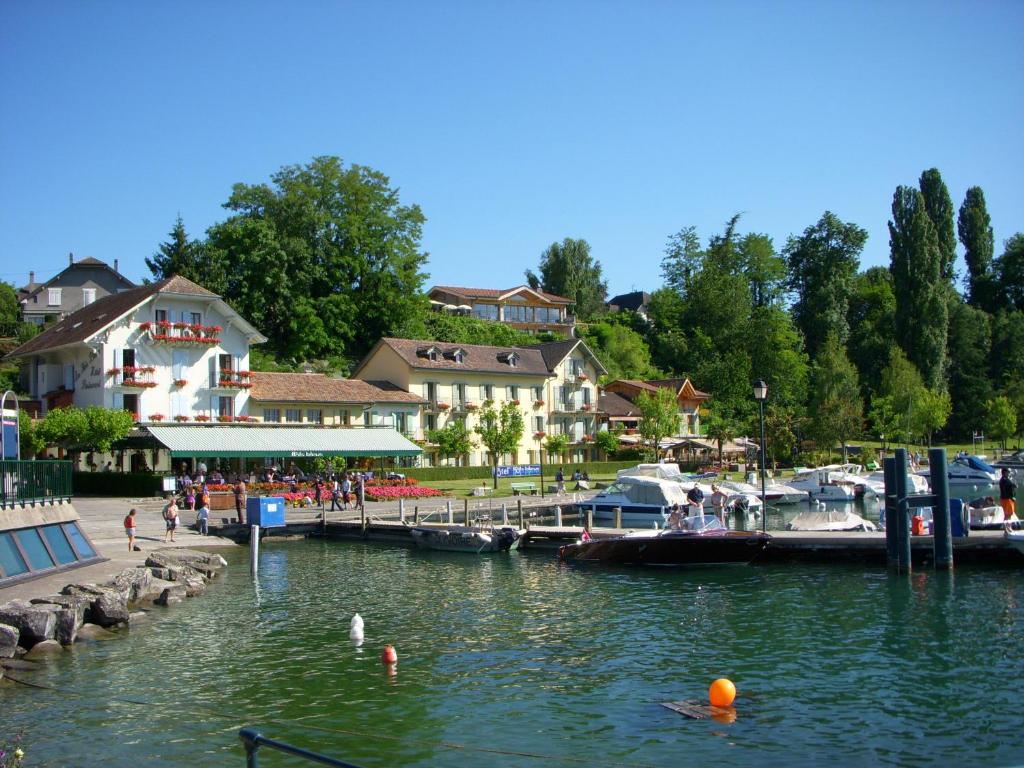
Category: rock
[19,652]
[107,606]
[173,594]
[18,664]
[34,623]
[133,583]
[194,585]
[178,559]
[164,574]
[93,632]
[77,603]
[8,641]
[44,649]
[68,622]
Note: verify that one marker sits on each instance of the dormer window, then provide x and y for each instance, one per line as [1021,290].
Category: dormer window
[431,353]
[511,358]
[458,355]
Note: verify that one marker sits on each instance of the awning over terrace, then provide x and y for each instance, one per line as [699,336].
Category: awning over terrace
[295,442]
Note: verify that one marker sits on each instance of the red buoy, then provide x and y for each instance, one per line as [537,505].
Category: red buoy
[388,656]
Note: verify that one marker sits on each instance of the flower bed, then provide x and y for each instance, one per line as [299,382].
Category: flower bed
[390,493]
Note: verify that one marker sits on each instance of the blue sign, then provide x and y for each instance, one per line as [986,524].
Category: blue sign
[10,437]
[519,470]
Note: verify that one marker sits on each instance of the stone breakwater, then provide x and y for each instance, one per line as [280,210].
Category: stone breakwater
[30,629]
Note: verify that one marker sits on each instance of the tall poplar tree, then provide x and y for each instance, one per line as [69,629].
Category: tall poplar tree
[836,412]
[920,288]
[975,229]
[822,264]
[939,206]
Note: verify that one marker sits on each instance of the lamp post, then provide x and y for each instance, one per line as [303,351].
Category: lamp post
[761,394]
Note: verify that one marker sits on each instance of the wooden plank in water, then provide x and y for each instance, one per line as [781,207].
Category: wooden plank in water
[694,709]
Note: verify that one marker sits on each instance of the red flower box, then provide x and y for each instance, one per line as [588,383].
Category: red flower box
[113,372]
[156,417]
[202,417]
[443,406]
[539,435]
[145,326]
[224,419]
[181,418]
[242,418]
[538,403]
[180,382]
[515,402]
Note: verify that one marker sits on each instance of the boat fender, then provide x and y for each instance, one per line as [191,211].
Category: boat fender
[389,655]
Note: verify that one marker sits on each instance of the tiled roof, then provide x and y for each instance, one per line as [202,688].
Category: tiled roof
[318,388]
[495,293]
[616,405]
[477,357]
[31,289]
[554,352]
[676,385]
[80,325]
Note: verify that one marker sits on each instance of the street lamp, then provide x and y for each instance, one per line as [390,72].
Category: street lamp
[761,394]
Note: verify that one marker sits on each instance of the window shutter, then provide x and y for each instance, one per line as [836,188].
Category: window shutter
[118,401]
[213,371]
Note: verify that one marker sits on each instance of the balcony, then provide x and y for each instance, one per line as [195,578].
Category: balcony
[189,334]
[230,379]
[134,376]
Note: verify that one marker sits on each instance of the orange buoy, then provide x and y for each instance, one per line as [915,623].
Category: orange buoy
[722,692]
[390,657]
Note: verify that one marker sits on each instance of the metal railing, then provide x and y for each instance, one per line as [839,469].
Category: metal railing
[34,481]
[253,740]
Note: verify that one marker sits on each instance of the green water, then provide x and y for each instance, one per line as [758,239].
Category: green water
[517,660]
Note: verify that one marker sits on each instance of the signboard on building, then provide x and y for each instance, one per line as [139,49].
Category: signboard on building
[518,470]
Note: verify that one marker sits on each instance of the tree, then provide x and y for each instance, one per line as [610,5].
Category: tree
[682,259]
[185,257]
[721,424]
[105,427]
[871,317]
[453,440]
[607,442]
[776,355]
[9,313]
[885,422]
[1009,272]
[975,229]
[659,416]
[458,329]
[1007,356]
[32,444]
[567,269]
[1000,419]
[324,260]
[822,264]
[621,350]
[764,269]
[901,385]
[500,431]
[780,425]
[969,346]
[555,445]
[64,427]
[930,413]
[836,409]
[919,286]
[939,207]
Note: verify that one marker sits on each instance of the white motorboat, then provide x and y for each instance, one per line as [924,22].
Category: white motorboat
[826,484]
[969,476]
[830,520]
[991,518]
[460,538]
[644,500]
[671,473]
[775,492]
[915,483]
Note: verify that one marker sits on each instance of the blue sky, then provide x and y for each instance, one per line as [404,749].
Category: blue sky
[511,124]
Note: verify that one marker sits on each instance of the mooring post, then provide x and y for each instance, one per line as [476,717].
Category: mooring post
[254,550]
[522,520]
[943,532]
[416,515]
[891,511]
[618,517]
[558,517]
[401,510]
[465,511]
[903,513]
[448,507]
[590,518]
[504,513]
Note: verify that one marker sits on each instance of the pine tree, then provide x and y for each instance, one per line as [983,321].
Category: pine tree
[920,288]
[975,229]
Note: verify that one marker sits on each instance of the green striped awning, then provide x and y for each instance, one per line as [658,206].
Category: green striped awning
[243,440]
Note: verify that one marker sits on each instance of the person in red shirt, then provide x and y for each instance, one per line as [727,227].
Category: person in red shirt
[129,529]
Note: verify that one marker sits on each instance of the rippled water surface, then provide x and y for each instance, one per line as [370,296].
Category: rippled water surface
[516,660]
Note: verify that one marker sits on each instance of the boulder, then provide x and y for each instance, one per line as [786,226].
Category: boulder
[107,606]
[164,574]
[178,559]
[76,603]
[68,622]
[93,632]
[8,641]
[18,664]
[173,594]
[34,623]
[194,585]
[44,649]
[133,583]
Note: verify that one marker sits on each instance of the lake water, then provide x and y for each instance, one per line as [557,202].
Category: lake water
[518,660]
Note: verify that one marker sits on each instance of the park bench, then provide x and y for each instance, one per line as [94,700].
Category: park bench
[518,489]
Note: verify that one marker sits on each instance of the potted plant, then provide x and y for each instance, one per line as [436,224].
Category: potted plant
[180,382]
[443,406]
[538,403]
[180,418]
[581,377]
[539,435]
[202,417]
[585,407]
[224,418]
[156,417]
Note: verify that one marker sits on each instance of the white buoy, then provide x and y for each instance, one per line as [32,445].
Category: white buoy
[355,632]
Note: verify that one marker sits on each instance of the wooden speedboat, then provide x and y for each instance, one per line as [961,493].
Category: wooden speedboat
[1016,540]
[460,538]
[702,540]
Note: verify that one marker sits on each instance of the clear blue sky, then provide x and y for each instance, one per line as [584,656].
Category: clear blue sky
[511,124]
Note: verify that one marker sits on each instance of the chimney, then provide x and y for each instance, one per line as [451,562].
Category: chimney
[115,266]
[31,277]
[71,259]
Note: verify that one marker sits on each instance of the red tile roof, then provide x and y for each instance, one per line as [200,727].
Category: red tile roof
[318,388]
[496,293]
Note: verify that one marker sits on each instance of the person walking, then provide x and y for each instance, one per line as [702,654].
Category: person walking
[1007,498]
[170,520]
[336,495]
[559,481]
[239,491]
[346,491]
[129,529]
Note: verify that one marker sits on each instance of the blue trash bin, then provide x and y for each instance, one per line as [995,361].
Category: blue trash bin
[265,511]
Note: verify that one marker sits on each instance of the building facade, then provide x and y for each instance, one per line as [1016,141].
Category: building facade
[80,284]
[689,398]
[553,385]
[522,307]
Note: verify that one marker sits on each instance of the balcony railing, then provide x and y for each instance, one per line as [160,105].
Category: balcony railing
[166,332]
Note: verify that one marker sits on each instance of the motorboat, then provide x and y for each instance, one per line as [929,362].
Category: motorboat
[750,499]
[830,520]
[828,483]
[701,540]
[968,476]
[1011,461]
[775,492]
[460,538]
[645,501]
[990,517]
[915,483]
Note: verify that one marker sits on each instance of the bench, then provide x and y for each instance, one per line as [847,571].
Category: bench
[518,489]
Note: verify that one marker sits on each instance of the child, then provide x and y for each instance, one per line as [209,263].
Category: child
[129,529]
[203,520]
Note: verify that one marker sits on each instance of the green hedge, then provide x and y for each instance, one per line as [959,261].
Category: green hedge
[430,474]
[116,484]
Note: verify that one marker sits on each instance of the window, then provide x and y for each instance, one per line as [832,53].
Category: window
[488,391]
[431,392]
[131,404]
[11,561]
[292,415]
[128,358]
[226,406]
[53,296]
[32,544]
[81,544]
[272,415]
[431,421]
[225,362]
[88,296]
[538,393]
[315,416]
[485,311]
[197,318]
[538,423]
[512,392]
[160,315]
[59,544]
[346,418]
[459,395]
[179,362]
[458,355]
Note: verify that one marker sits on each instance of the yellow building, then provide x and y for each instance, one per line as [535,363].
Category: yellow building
[553,384]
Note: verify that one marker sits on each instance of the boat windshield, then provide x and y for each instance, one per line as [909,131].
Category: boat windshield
[702,523]
[976,463]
